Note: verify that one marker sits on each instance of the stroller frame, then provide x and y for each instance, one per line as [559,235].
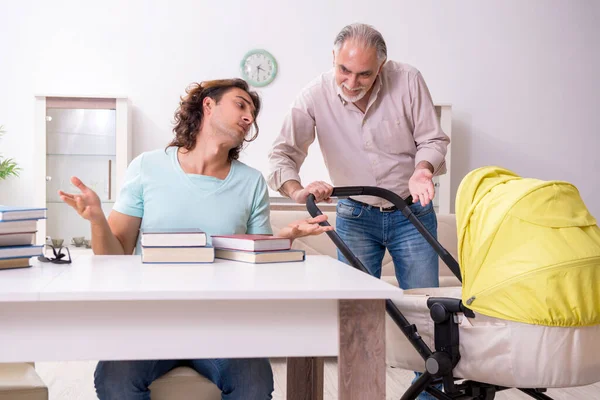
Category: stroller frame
[444,311]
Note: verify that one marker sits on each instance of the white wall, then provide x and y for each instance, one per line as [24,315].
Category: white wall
[521,75]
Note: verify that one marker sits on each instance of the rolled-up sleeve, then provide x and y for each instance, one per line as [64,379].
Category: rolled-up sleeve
[290,148]
[432,143]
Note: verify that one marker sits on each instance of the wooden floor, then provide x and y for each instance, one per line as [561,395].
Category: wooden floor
[73,381]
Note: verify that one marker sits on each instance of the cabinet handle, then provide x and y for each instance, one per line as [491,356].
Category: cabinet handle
[109,177]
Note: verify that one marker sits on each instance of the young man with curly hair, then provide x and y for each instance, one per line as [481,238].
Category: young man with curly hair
[196,182]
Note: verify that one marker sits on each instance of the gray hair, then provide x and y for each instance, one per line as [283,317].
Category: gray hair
[366,34]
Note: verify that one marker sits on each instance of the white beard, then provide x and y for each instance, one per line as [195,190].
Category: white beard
[352,99]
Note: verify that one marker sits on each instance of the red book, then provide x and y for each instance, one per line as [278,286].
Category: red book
[251,242]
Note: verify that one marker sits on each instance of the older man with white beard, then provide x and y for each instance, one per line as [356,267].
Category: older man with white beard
[377,126]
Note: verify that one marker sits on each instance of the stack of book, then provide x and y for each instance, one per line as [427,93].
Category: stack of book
[175,246]
[256,249]
[18,226]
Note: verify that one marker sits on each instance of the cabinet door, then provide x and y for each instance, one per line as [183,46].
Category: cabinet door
[80,142]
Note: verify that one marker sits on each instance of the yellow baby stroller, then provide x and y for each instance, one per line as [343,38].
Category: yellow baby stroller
[528,313]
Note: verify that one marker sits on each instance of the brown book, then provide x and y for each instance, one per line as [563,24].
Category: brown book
[9,263]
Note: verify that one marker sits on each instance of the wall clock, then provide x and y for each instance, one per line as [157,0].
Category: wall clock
[258,67]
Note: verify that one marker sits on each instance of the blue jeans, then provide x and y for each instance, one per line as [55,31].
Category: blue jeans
[367,232]
[247,379]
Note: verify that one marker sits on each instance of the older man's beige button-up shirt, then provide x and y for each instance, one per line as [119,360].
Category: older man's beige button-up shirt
[380,147]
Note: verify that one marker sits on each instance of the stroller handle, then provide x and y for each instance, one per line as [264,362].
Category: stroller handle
[345,191]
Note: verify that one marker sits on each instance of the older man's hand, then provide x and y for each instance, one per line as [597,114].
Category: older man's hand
[321,190]
[421,187]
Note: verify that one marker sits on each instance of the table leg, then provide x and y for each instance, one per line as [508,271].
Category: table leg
[305,378]
[361,362]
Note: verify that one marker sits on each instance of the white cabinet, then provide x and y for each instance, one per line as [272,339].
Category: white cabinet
[86,137]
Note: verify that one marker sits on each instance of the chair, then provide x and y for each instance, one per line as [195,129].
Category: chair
[20,381]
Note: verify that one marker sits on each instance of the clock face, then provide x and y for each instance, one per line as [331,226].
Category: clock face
[259,67]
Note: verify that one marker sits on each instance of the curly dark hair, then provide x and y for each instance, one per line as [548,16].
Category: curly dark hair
[189,115]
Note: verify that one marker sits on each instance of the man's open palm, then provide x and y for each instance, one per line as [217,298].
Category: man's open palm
[421,187]
[87,204]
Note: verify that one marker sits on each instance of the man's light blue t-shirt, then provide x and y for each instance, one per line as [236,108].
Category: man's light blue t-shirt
[157,190]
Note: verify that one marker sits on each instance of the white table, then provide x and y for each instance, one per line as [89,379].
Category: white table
[116,308]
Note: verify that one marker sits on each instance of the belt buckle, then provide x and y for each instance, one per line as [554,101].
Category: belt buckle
[384,209]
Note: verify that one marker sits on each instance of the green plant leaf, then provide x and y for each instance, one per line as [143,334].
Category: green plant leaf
[8,166]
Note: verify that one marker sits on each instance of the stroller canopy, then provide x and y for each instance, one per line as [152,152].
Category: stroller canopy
[529,250]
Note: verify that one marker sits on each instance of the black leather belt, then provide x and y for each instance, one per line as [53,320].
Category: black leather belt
[408,201]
